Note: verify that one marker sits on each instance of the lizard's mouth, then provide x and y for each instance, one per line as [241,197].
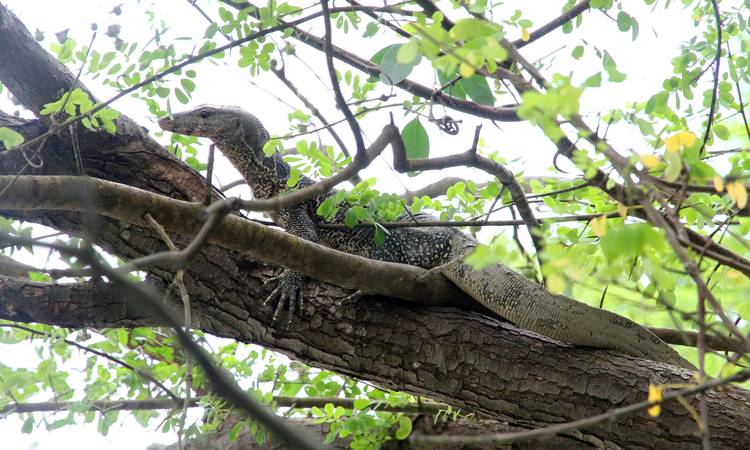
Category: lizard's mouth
[165,123]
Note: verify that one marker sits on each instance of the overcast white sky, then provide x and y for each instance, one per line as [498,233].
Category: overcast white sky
[646,61]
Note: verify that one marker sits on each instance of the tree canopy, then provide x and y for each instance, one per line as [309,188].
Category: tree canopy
[598,147]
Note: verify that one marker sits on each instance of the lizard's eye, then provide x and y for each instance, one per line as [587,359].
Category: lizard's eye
[205,114]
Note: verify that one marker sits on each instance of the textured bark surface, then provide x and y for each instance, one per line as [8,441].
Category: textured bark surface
[463,358]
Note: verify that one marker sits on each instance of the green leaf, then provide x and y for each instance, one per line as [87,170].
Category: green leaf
[610,66]
[627,241]
[478,89]
[391,71]
[350,219]
[577,52]
[465,29]
[720,130]
[481,257]
[416,141]
[408,52]
[657,104]
[361,403]
[10,138]
[624,21]
[181,96]
[455,90]
[28,426]
[188,85]
[594,80]
[601,4]
[646,127]
[377,58]
[371,30]
[162,92]
[674,166]
[379,235]
[404,428]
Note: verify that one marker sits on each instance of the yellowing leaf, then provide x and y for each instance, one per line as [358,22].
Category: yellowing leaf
[718,184]
[672,143]
[524,35]
[599,225]
[555,283]
[680,141]
[407,53]
[686,138]
[733,275]
[728,369]
[466,70]
[622,210]
[649,161]
[655,394]
[738,193]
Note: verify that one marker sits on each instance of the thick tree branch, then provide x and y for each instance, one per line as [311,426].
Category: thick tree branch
[257,241]
[93,304]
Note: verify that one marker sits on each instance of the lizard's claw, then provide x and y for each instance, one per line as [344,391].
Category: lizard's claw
[352,298]
[288,291]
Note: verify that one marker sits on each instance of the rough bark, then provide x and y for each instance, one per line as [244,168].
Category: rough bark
[477,363]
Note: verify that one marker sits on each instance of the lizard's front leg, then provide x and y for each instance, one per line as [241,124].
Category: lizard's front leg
[290,283]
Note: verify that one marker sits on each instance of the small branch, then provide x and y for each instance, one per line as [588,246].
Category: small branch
[470,159]
[340,101]
[281,75]
[209,175]
[232,184]
[715,90]
[388,136]
[423,407]
[567,16]
[187,317]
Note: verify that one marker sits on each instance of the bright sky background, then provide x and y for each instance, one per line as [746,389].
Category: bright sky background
[645,61]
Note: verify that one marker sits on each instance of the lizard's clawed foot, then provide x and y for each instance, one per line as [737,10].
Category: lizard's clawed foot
[288,291]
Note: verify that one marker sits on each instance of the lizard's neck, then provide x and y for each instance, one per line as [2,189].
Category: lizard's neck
[266,176]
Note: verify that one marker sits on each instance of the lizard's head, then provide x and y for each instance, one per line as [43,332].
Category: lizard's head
[227,126]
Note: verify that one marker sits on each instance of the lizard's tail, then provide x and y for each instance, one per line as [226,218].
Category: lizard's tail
[530,306]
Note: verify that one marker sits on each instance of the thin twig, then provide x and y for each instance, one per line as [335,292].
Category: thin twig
[715,90]
[340,101]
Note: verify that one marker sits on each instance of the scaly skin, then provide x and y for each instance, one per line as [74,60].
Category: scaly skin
[240,136]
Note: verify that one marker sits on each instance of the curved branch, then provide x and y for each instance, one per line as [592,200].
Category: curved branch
[257,241]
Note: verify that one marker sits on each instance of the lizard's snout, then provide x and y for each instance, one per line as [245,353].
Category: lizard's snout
[165,123]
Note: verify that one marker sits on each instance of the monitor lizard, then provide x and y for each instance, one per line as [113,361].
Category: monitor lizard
[240,136]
